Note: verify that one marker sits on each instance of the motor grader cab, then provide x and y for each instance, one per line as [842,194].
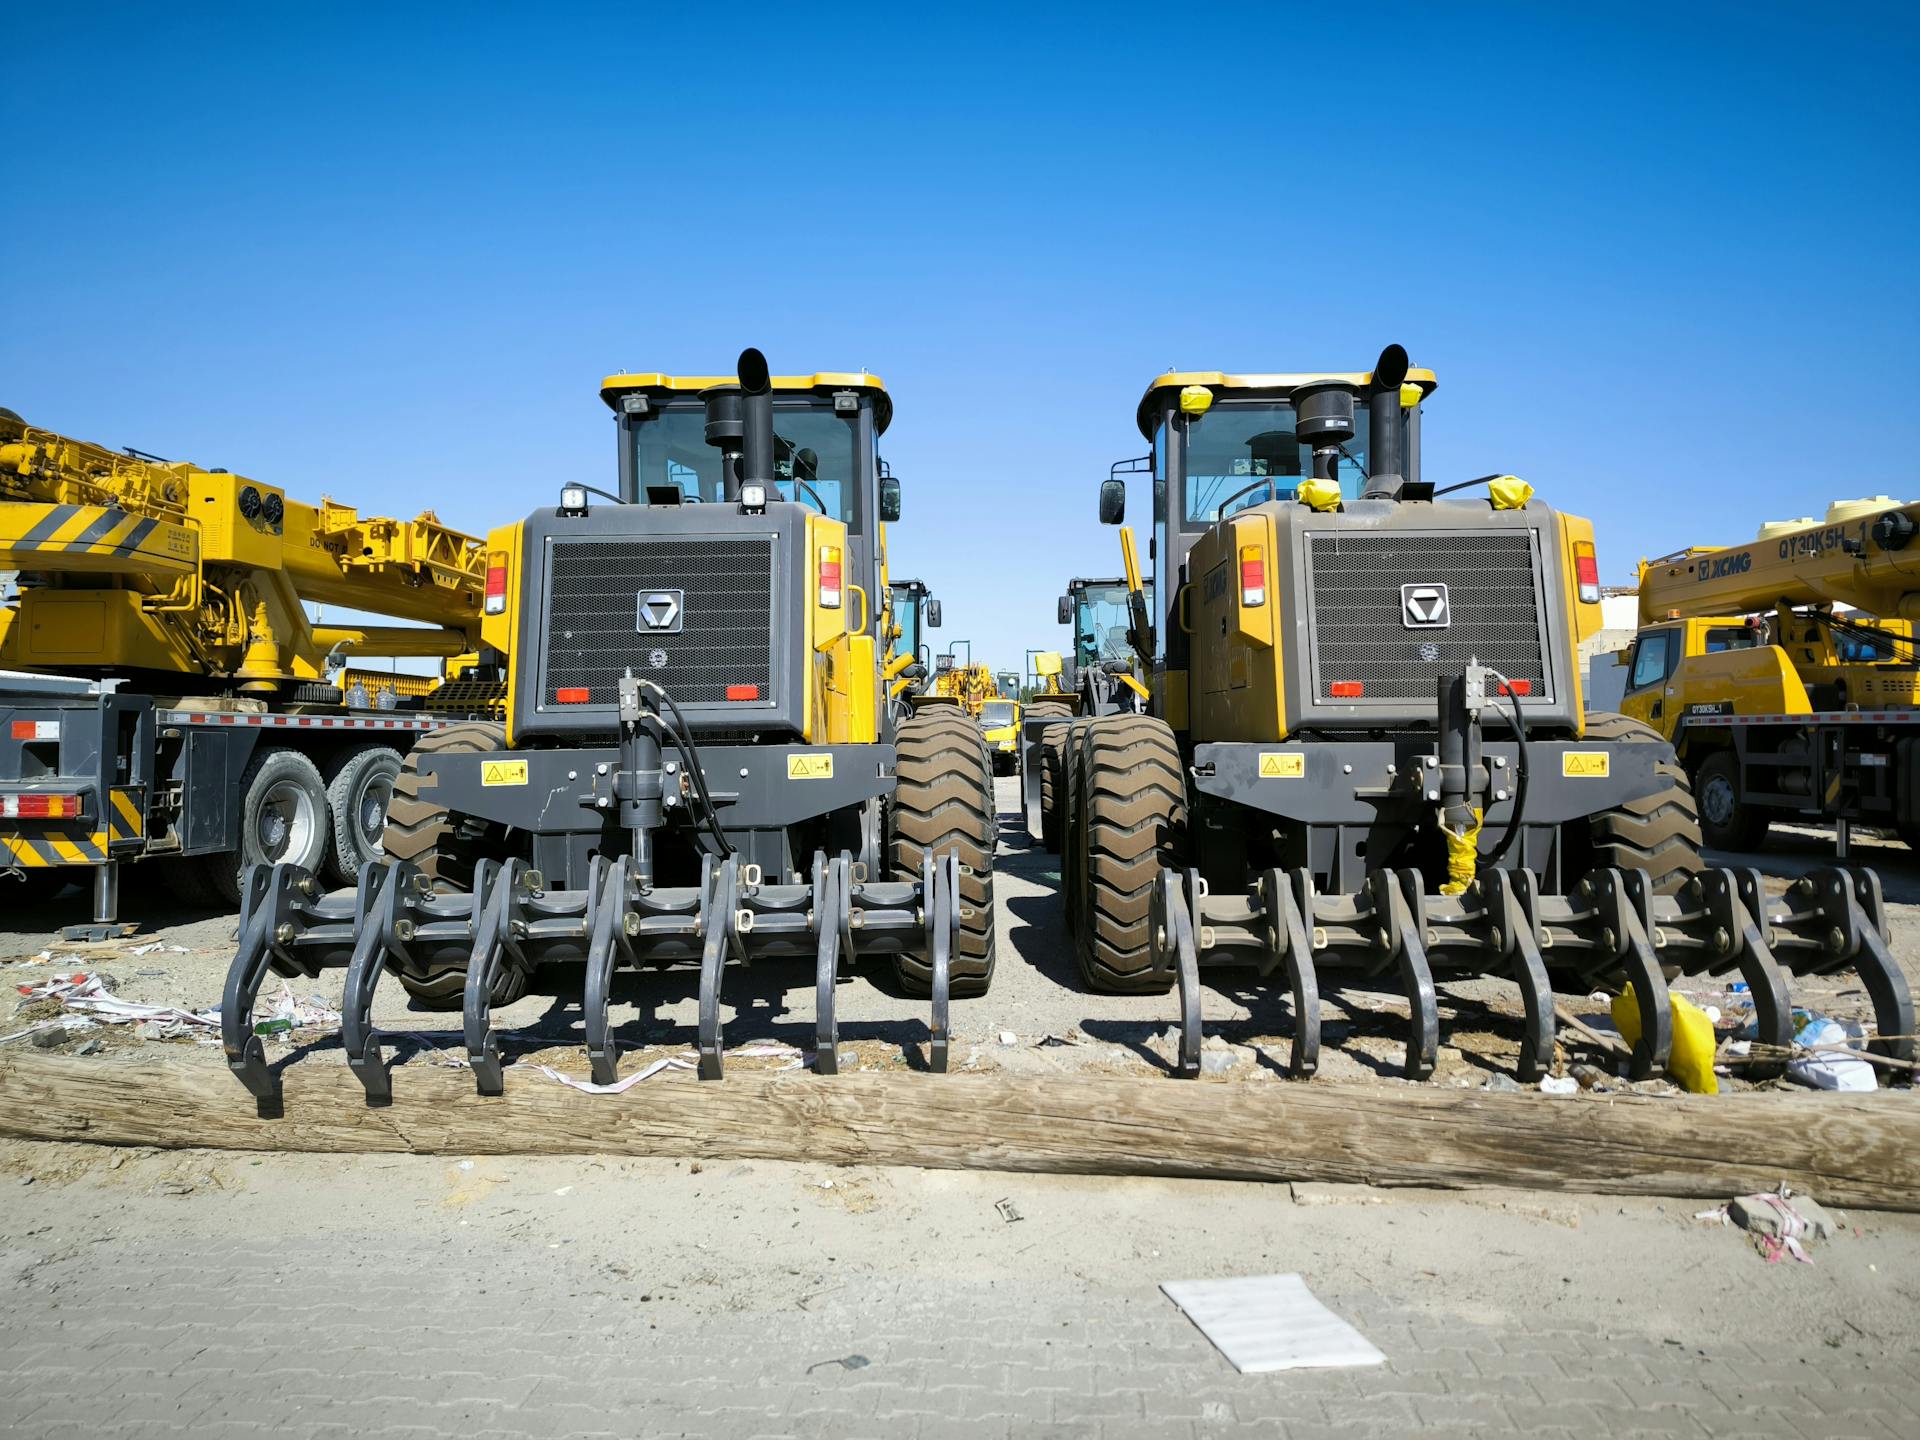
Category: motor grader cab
[697,763]
[1096,677]
[1367,762]
[912,611]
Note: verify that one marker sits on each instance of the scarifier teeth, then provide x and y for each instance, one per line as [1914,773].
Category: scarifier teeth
[1611,931]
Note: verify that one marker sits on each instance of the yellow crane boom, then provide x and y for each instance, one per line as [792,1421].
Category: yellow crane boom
[1860,556]
[129,562]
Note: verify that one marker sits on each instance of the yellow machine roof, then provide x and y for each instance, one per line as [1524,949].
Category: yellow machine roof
[1259,384]
[825,382]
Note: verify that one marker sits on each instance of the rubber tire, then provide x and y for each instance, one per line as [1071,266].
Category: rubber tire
[1132,802]
[268,768]
[1658,833]
[347,779]
[1746,828]
[443,846]
[943,802]
[1053,741]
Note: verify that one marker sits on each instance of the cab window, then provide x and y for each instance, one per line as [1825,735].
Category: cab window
[1242,453]
[1652,659]
[813,456]
[1731,637]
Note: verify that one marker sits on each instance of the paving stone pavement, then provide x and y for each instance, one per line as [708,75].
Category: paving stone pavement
[237,1335]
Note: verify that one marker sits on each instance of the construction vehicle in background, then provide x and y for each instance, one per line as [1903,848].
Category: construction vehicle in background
[1785,672]
[1102,678]
[219,726]
[1000,727]
[1367,762]
[911,612]
[698,761]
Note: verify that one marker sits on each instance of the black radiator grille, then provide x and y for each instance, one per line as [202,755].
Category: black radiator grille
[1359,630]
[725,639]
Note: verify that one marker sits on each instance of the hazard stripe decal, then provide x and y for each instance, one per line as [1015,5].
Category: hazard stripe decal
[49,523]
[127,820]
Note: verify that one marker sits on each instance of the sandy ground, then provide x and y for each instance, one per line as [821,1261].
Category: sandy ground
[171,1292]
[1037,1018]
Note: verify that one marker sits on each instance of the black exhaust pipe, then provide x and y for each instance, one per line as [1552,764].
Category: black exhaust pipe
[1386,454]
[756,448]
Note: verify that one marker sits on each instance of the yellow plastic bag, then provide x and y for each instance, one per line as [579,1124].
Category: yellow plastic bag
[1691,1059]
[1510,492]
[1463,857]
[1319,494]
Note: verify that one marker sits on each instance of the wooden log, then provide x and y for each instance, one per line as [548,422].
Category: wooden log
[1861,1150]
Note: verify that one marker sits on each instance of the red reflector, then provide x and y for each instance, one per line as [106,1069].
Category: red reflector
[1517,687]
[743,692]
[1346,689]
[1253,574]
[25,730]
[829,574]
[573,695]
[1586,569]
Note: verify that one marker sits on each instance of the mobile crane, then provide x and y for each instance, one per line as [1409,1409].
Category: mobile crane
[221,726]
[1784,671]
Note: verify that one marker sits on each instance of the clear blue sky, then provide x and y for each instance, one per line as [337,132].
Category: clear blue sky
[1663,258]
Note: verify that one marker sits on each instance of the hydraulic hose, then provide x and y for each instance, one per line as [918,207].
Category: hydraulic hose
[1499,851]
[682,736]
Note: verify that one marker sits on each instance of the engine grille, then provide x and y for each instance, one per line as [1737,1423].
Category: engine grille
[1359,634]
[726,620]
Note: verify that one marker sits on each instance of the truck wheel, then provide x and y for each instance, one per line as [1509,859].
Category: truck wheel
[1053,741]
[283,820]
[943,801]
[443,845]
[1132,798]
[1658,833]
[1726,821]
[359,789]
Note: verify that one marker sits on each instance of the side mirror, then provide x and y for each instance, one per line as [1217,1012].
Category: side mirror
[1065,609]
[933,614]
[1113,501]
[889,499]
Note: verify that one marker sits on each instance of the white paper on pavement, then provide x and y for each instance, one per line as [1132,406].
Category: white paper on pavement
[1263,1323]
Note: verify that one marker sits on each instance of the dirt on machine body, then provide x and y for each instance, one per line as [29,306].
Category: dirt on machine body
[700,761]
[1367,760]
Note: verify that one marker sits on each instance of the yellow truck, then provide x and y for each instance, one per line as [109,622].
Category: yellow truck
[1783,670]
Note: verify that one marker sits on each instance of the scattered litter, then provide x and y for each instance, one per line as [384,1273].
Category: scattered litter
[1559,1085]
[671,1062]
[564,1190]
[151,949]
[1828,1070]
[826,1184]
[1049,1040]
[26,1179]
[464,1165]
[1589,1077]
[1501,1083]
[1007,1037]
[151,974]
[1778,1220]
[845,1362]
[1263,1323]
[34,1029]
[1008,1211]
[89,995]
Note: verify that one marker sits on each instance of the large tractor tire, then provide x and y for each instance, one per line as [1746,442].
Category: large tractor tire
[283,820]
[1053,741]
[359,792]
[443,845]
[1728,822]
[1658,833]
[1130,801]
[944,802]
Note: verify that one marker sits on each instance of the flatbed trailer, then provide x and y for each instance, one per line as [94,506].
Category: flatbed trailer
[100,780]
[1852,767]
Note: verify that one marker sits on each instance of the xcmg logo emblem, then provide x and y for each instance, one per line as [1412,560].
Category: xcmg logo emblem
[1718,567]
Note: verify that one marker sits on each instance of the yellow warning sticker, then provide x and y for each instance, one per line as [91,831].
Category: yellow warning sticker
[504,772]
[1586,764]
[809,767]
[1282,765]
